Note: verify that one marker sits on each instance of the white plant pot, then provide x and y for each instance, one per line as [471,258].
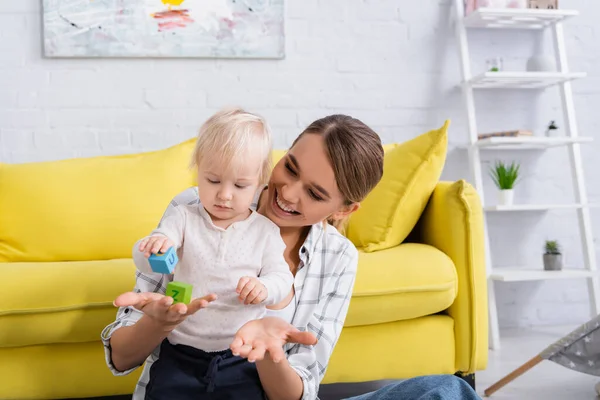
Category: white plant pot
[553,262]
[552,132]
[506,197]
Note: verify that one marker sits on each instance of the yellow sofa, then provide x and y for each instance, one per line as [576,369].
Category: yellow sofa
[66,230]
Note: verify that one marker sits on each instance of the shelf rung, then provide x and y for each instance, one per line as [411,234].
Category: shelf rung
[530,274]
[511,18]
[528,142]
[521,80]
[531,207]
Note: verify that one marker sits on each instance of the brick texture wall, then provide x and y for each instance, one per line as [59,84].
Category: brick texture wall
[393,64]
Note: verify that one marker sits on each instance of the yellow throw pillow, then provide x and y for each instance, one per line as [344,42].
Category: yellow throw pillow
[277,155]
[410,172]
[88,208]
[389,147]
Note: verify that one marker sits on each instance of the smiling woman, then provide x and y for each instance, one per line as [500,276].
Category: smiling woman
[325,166]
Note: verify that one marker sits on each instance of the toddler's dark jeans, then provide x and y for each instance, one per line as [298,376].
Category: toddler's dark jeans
[184,372]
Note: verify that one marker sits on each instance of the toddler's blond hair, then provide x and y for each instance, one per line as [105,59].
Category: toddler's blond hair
[231,134]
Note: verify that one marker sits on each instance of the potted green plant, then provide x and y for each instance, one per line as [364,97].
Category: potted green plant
[552,256]
[551,130]
[505,177]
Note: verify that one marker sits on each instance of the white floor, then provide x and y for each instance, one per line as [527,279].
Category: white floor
[546,381]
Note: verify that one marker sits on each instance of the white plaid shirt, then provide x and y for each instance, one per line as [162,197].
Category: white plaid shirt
[323,285]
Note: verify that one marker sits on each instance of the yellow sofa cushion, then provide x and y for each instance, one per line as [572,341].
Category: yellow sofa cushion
[410,172]
[61,302]
[395,350]
[87,208]
[60,371]
[407,281]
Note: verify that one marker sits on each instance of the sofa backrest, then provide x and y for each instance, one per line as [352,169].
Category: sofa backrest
[87,208]
[97,208]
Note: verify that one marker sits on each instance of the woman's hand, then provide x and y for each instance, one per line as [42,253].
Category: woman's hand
[160,308]
[268,334]
[155,244]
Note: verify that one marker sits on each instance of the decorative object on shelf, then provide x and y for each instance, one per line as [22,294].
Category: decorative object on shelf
[517,4]
[494,64]
[553,260]
[505,177]
[551,130]
[515,133]
[541,63]
[548,4]
[492,3]
[472,5]
[167,28]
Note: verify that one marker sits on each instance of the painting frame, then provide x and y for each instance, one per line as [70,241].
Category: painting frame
[237,29]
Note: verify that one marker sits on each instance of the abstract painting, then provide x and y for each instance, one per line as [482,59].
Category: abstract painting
[164,28]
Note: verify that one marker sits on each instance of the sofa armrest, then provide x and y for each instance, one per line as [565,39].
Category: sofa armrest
[453,223]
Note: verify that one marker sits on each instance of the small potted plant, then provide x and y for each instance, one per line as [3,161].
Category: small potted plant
[552,256]
[551,130]
[505,177]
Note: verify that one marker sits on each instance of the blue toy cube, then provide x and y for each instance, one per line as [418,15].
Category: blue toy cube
[164,263]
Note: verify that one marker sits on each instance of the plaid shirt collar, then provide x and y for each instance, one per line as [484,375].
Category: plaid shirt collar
[315,235]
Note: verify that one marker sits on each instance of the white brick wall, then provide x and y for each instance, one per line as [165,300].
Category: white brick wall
[392,63]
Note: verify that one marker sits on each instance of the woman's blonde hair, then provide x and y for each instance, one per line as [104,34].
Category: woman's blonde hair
[230,135]
[356,155]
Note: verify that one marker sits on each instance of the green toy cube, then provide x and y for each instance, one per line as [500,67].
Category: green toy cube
[180,292]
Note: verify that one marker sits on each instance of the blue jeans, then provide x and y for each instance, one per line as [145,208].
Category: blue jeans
[431,387]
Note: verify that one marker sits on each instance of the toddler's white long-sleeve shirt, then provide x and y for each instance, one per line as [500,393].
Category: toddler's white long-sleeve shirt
[213,260]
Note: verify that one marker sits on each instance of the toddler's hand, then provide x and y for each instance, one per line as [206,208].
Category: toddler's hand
[251,290]
[155,244]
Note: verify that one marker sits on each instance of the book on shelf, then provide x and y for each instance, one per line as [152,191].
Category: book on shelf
[515,133]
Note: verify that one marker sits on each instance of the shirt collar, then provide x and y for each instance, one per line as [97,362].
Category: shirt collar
[254,205]
[235,225]
[309,247]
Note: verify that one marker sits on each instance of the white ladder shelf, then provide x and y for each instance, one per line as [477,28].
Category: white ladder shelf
[532,19]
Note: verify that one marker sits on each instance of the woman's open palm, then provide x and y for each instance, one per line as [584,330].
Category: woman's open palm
[268,334]
[160,308]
